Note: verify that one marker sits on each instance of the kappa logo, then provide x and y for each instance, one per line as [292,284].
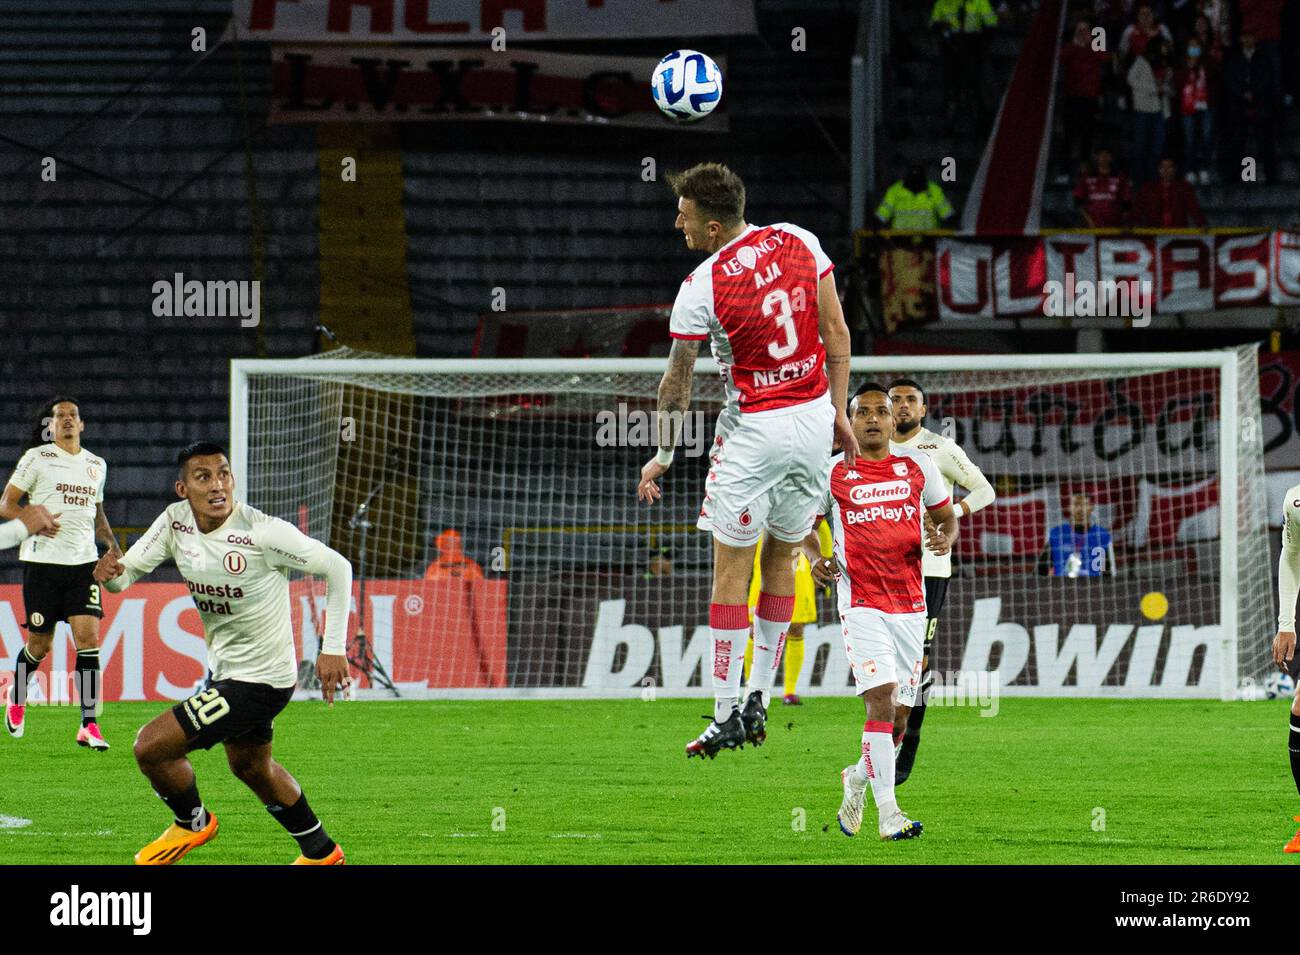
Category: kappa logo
[880,491]
[853,476]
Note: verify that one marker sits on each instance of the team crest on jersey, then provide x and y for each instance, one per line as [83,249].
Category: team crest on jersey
[38,619]
[900,469]
[234,562]
[93,472]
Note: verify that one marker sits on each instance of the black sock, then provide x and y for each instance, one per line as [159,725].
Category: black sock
[914,721]
[1294,745]
[187,807]
[24,669]
[301,823]
[88,683]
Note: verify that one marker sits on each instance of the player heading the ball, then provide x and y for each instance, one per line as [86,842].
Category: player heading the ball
[765,300]
[877,502]
[236,562]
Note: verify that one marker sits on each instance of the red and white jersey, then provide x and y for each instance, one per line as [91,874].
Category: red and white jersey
[755,301]
[876,520]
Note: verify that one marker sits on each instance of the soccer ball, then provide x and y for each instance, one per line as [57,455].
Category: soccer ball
[686,86]
[1278,686]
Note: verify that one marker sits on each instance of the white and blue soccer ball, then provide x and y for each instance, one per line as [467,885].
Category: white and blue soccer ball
[686,86]
[1279,686]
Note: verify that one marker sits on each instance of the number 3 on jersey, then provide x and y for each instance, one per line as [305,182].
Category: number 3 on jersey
[777,302]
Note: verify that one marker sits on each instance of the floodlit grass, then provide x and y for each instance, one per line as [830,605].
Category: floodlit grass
[1044,781]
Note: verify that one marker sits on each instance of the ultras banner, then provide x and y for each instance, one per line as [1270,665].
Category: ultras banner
[314,84]
[1072,275]
[473,21]
[1060,636]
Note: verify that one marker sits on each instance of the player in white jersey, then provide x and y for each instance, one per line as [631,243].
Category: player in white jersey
[765,301]
[876,503]
[235,561]
[1284,644]
[56,472]
[908,400]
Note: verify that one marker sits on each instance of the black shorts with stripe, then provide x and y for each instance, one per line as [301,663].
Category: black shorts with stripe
[936,589]
[55,592]
[231,711]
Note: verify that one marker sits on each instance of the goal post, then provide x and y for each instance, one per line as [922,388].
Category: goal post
[490,505]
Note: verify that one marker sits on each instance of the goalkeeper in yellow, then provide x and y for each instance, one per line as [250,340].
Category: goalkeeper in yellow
[805,612]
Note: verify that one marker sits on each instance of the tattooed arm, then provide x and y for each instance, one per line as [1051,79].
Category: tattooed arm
[674,400]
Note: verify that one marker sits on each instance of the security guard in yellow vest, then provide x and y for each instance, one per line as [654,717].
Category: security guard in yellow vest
[962,24]
[963,16]
[914,203]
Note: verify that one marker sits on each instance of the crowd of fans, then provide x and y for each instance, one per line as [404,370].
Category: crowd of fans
[1204,83]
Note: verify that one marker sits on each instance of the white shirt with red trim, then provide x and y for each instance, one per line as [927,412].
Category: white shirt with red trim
[875,510]
[755,301]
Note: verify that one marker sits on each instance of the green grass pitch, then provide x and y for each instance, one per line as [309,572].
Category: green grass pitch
[607,782]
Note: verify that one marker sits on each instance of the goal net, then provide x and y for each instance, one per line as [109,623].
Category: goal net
[490,508]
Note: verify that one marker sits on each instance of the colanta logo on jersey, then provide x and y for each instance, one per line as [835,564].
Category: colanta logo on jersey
[747,256]
[880,491]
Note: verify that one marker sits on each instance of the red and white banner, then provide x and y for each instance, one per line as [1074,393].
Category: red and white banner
[1006,195]
[434,633]
[313,84]
[472,21]
[1018,277]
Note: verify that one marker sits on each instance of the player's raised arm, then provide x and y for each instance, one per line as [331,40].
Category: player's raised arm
[834,333]
[283,545]
[117,571]
[674,400]
[1288,580]
[966,473]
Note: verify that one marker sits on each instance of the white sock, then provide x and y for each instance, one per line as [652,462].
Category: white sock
[771,623]
[877,764]
[729,624]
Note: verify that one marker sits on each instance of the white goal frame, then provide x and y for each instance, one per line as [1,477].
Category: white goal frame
[1223,361]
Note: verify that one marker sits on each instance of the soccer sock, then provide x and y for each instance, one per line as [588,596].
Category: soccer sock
[749,654]
[877,764]
[914,721]
[301,823]
[187,807]
[24,669]
[1294,745]
[793,665]
[771,621]
[88,683]
[729,624]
